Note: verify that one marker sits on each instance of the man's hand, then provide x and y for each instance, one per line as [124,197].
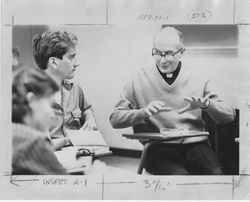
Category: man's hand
[90,124]
[155,107]
[195,103]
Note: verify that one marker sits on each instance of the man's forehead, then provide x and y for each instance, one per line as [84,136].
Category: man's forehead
[167,39]
[71,51]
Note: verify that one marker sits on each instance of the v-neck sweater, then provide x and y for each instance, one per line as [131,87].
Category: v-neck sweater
[148,85]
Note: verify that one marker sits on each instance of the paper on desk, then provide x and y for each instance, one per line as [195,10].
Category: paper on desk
[86,138]
[167,132]
[67,157]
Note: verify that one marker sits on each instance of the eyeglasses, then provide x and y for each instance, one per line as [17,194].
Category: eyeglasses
[84,152]
[156,52]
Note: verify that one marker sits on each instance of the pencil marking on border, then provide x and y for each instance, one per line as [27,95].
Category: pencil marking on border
[205,183]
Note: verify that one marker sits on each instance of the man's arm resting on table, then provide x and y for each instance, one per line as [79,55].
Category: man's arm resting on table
[59,143]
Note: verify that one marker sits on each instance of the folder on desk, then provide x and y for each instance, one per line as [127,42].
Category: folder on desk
[91,140]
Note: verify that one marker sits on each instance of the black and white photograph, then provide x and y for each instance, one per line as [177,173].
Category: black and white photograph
[125,99]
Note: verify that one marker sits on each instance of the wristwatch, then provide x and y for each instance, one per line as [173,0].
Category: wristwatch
[207,102]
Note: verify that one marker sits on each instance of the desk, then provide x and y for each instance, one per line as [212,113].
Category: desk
[77,165]
[152,138]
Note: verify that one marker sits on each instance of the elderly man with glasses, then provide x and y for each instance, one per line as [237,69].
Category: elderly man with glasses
[171,95]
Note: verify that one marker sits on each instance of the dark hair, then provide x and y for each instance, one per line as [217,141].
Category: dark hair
[51,44]
[29,79]
[15,51]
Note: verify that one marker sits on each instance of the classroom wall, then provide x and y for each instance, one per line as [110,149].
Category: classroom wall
[22,38]
[109,54]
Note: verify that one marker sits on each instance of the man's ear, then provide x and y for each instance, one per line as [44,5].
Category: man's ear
[53,62]
[30,97]
[183,50]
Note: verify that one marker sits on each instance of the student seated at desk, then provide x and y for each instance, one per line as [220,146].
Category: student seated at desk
[33,154]
[169,94]
[55,53]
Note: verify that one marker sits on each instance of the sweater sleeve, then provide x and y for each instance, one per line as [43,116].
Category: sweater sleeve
[127,112]
[39,159]
[83,102]
[219,110]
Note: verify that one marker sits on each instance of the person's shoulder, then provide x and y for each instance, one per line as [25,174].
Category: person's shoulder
[143,70]
[25,137]
[26,132]
[196,73]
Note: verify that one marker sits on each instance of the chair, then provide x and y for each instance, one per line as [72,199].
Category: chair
[222,139]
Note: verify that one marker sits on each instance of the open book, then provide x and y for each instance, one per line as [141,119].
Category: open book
[91,140]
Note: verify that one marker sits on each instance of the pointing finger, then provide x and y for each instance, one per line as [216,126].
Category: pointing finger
[160,102]
[167,109]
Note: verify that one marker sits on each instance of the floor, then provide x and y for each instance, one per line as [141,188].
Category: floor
[126,163]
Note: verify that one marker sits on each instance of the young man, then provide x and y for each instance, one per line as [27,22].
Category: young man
[55,52]
[168,94]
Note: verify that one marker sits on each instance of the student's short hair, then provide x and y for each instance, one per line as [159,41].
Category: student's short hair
[15,51]
[29,79]
[51,44]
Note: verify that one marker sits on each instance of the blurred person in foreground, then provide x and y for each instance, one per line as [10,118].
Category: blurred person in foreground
[55,53]
[33,154]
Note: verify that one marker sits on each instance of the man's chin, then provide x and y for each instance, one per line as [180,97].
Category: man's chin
[71,76]
[165,70]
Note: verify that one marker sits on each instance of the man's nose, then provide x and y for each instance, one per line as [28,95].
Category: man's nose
[76,63]
[52,114]
[166,58]
[163,59]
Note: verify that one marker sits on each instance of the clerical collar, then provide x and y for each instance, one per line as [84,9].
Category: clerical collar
[170,77]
